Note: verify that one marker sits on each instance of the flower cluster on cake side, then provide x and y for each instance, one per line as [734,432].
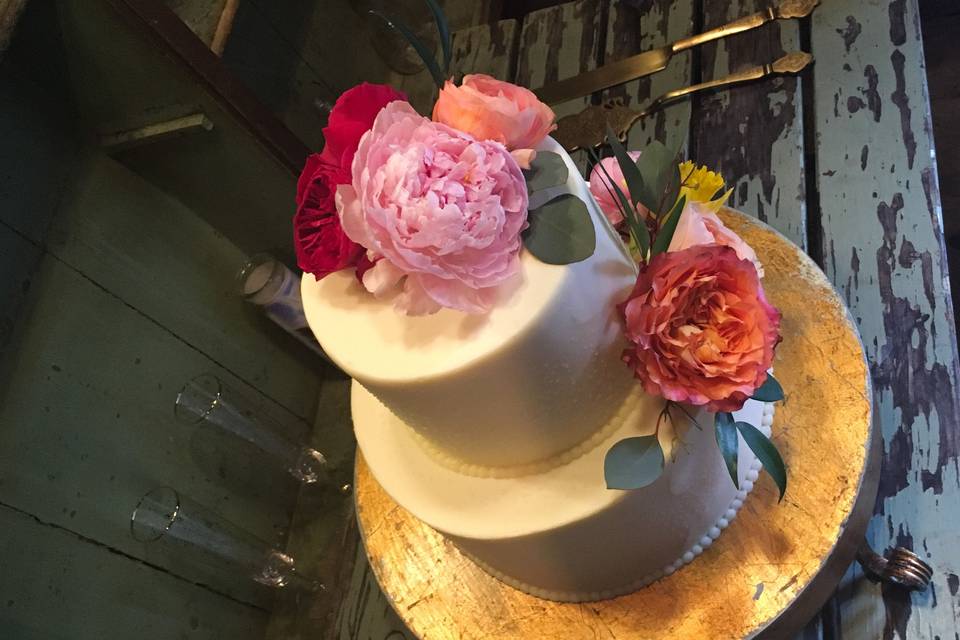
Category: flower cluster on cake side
[433,213]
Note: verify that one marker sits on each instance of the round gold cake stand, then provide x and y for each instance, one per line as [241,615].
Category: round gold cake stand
[766,575]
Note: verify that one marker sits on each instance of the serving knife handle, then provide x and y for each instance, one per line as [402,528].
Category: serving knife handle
[790,63]
[786,9]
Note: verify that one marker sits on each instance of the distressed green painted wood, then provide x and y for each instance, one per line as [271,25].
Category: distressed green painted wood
[202,16]
[486,48]
[18,260]
[86,399]
[633,28]
[36,126]
[753,134]
[278,50]
[883,249]
[369,613]
[557,43]
[121,80]
[58,586]
[159,257]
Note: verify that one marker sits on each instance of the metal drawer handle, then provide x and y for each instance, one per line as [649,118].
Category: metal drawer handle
[897,566]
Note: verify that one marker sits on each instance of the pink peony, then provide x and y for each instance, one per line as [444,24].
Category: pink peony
[490,109]
[443,211]
[701,329]
[697,225]
[605,195]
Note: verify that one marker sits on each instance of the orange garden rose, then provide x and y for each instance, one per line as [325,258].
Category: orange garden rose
[701,329]
[490,109]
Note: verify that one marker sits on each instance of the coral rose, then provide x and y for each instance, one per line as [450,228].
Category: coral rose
[490,109]
[441,210]
[605,195]
[320,243]
[701,329]
[698,225]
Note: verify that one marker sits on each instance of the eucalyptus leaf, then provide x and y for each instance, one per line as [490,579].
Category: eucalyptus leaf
[767,453]
[561,231]
[668,227]
[633,463]
[547,170]
[419,46]
[729,443]
[443,29]
[769,391]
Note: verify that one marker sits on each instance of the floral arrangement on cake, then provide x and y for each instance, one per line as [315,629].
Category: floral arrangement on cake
[433,212]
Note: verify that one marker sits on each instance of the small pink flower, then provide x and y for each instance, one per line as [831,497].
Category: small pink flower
[490,109]
[604,193]
[701,329]
[439,213]
[697,225]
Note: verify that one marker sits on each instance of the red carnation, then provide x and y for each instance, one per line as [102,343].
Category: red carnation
[321,245]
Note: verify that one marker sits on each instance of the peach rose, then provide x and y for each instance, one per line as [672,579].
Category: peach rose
[701,329]
[698,225]
[490,109]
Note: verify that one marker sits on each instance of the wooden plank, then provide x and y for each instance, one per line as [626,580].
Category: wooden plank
[753,134]
[241,174]
[487,48]
[122,232]
[36,127]
[202,16]
[368,613]
[557,43]
[633,28]
[86,400]
[57,585]
[883,247]
[18,261]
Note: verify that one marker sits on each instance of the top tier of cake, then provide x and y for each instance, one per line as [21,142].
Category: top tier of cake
[521,385]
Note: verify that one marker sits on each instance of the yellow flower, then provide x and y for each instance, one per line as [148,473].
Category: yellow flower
[700,185]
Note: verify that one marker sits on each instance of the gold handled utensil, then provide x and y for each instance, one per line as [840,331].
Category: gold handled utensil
[588,128]
[614,73]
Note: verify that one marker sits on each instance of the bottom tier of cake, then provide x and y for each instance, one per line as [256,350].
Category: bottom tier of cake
[561,534]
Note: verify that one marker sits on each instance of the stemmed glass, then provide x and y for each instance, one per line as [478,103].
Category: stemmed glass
[207,400]
[166,514]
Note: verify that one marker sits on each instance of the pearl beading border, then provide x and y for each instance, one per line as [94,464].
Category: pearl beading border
[687,557]
[481,471]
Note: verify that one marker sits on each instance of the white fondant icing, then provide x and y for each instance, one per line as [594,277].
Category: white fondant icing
[561,533]
[533,378]
[626,409]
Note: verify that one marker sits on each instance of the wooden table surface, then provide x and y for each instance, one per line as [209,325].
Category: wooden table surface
[842,162]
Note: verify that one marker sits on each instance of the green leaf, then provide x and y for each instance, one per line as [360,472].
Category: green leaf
[421,48]
[547,170]
[638,228]
[633,463]
[561,231]
[656,166]
[767,453]
[668,228]
[769,391]
[639,190]
[444,30]
[729,443]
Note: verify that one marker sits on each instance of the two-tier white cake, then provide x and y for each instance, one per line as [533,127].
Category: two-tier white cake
[493,429]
